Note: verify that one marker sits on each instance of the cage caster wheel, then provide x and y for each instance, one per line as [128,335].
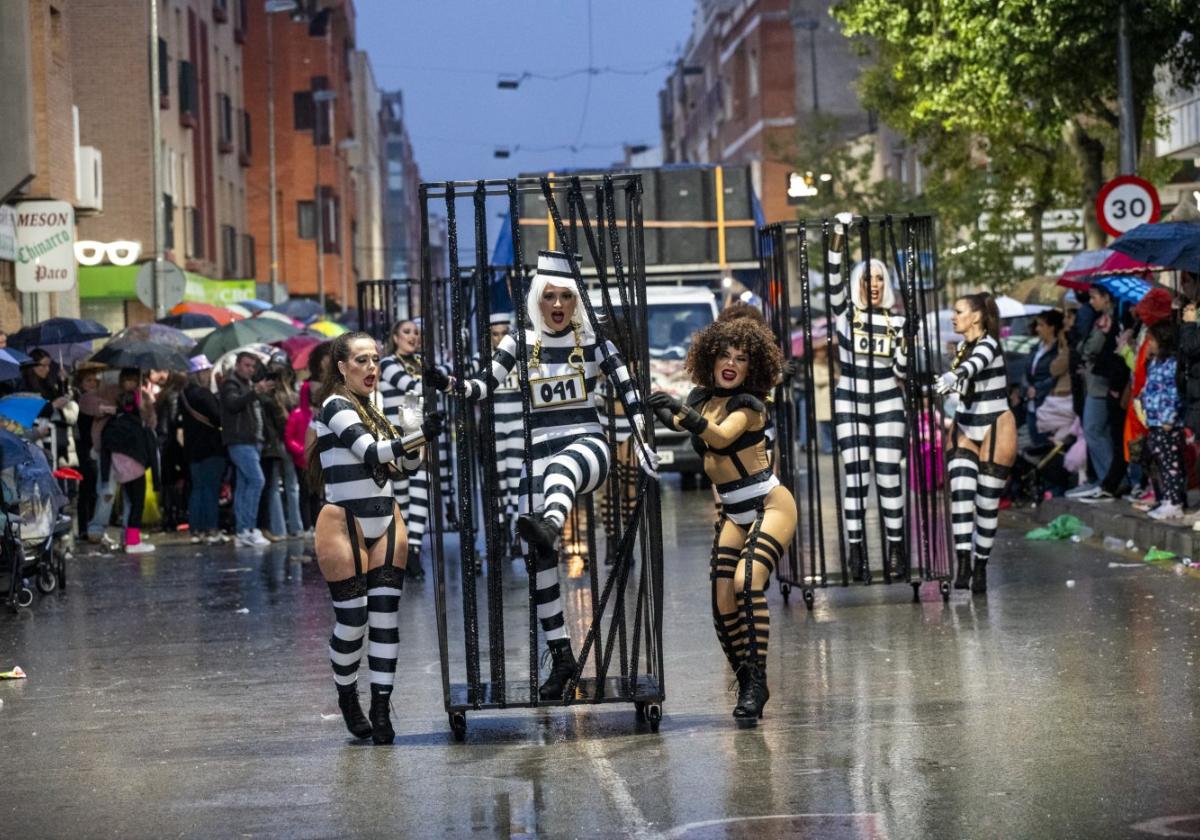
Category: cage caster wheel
[458,725]
[786,591]
[944,588]
[916,586]
[808,599]
[653,715]
[639,709]
[47,581]
[24,597]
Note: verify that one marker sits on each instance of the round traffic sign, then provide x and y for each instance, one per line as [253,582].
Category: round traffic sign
[1126,202]
[173,279]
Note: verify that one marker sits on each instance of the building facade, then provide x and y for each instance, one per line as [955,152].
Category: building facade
[402,209]
[367,173]
[307,58]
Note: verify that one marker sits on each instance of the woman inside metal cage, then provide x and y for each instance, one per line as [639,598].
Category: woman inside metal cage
[356,456]
[570,454]
[869,414]
[400,385]
[984,437]
[735,365]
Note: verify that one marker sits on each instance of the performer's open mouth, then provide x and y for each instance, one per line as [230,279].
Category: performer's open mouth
[728,375]
[558,318]
[369,381]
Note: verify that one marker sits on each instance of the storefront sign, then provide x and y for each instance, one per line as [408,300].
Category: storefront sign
[8,233]
[121,252]
[45,246]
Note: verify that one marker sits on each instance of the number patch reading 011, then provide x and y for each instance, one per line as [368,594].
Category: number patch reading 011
[553,391]
[872,344]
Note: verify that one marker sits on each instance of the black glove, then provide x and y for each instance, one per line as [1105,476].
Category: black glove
[789,369]
[912,326]
[665,408]
[693,421]
[432,425]
[438,380]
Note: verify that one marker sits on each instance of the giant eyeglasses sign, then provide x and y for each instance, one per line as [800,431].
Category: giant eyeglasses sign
[120,252]
[45,246]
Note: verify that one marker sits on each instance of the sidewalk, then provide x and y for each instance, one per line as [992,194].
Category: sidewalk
[1118,519]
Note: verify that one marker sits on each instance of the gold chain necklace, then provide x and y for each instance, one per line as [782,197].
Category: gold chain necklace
[575,359]
[887,321]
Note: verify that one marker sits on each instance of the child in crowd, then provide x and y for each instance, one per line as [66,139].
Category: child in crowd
[1159,409]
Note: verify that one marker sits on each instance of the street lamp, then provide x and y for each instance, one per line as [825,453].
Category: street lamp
[511,82]
[812,25]
[321,97]
[272,7]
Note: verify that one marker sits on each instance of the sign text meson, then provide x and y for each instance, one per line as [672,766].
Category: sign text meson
[45,246]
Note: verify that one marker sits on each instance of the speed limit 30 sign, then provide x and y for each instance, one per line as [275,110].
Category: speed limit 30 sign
[1126,202]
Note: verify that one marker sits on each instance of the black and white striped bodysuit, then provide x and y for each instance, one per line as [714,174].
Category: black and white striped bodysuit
[868,408]
[983,384]
[570,454]
[400,376]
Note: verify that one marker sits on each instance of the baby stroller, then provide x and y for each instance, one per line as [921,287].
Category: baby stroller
[33,527]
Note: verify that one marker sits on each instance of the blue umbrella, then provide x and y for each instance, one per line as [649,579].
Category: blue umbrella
[57,331]
[1169,244]
[10,364]
[301,309]
[1125,289]
[190,321]
[22,409]
[255,305]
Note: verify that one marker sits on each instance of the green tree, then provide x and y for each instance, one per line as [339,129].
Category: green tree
[1027,78]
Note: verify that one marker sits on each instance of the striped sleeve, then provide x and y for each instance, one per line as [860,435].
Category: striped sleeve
[837,284]
[981,356]
[397,377]
[900,354]
[613,367]
[504,359]
[341,418]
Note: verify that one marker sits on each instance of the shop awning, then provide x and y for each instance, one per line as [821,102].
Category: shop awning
[119,282]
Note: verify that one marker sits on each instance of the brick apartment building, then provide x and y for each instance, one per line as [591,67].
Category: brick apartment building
[402,210]
[204,149]
[311,62]
[38,138]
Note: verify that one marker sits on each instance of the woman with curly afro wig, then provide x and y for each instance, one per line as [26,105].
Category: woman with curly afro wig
[735,365]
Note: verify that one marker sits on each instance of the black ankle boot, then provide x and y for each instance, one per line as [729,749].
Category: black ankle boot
[860,569]
[560,671]
[979,576]
[415,570]
[536,531]
[962,578]
[352,712]
[898,558]
[754,695]
[381,719]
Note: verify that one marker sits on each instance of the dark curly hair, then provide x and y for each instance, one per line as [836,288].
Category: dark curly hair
[766,359]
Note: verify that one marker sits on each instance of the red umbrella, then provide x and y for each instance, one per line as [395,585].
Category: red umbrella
[1102,261]
[298,348]
[219,313]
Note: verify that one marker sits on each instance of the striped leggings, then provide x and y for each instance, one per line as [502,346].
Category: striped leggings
[558,479]
[975,491]
[871,431]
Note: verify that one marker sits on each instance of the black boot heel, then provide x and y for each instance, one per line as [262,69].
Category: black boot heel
[979,577]
[352,712]
[381,718]
[962,578]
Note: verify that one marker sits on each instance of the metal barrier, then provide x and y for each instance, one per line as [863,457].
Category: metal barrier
[620,614]
[808,304]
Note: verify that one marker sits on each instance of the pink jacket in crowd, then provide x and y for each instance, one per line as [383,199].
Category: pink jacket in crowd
[297,427]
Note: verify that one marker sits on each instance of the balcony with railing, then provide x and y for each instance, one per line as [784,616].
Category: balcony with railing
[1181,138]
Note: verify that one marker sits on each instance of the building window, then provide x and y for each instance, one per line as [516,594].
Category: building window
[302,110]
[244,145]
[229,249]
[224,123]
[194,227]
[240,21]
[331,221]
[164,77]
[752,74]
[189,95]
[306,221]
[249,266]
[168,221]
[322,112]
[220,10]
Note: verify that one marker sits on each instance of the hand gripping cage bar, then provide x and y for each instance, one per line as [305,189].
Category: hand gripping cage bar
[906,246]
[626,606]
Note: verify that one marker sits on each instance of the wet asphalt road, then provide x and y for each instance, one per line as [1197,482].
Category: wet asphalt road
[188,694]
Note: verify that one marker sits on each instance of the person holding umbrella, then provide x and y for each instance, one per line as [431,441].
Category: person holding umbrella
[128,451]
[242,433]
[59,416]
[205,452]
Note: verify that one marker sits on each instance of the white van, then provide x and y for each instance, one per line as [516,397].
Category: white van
[674,315]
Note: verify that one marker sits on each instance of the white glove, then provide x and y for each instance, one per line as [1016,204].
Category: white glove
[411,414]
[945,383]
[647,459]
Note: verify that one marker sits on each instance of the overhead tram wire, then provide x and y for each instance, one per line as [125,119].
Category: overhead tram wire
[606,70]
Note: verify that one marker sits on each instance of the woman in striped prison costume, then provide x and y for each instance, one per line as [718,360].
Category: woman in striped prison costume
[868,402]
[984,436]
[400,383]
[570,454]
[735,365]
[356,455]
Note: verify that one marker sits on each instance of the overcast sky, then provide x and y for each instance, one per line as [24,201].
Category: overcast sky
[446,55]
